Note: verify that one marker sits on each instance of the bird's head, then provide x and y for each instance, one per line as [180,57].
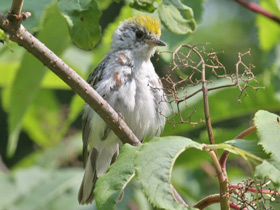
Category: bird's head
[141,34]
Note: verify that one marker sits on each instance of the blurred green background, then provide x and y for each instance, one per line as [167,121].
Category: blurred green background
[40,117]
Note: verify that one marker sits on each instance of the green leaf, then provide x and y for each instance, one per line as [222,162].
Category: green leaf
[268,30]
[39,188]
[31,72]
[82,17]
[250,146]
[5,39]
[266,169]
[268,129]
[169,13]
[110,185]
[44,119]
[153,165]
[143,5]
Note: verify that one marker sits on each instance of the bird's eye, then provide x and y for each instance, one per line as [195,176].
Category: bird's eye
[139,34]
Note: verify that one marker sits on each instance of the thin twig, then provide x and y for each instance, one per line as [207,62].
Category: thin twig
[16,7]
[256,8]
[255,190]
[235,206]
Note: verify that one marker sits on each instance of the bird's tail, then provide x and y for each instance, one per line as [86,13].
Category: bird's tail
[86,189]
[97,164]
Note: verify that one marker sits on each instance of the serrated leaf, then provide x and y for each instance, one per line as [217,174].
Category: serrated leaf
[143,5]
[250,146]
[82,17]
[266,169]
[31,72]
[110,185]
[153,165]
[268,130]
[172,19]
[268,30]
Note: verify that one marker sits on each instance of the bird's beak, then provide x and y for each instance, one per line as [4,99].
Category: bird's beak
[156,42]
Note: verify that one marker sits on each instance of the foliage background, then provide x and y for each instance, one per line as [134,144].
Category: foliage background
[41,169]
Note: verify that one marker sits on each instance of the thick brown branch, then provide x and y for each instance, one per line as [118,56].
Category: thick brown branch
[256,8]
[207,201]
[21,36]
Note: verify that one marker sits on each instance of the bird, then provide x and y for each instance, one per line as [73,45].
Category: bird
[127,80]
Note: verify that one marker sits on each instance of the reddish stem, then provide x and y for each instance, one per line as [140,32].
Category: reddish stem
[235,206]
[256,8]
[242,135]
[254,190]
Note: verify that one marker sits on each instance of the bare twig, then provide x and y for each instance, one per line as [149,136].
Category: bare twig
[256,8]
[16,7]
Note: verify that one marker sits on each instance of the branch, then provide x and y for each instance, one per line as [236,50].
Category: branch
[17,7]
[256,8]
[20,35]
[207,201]
[223,182]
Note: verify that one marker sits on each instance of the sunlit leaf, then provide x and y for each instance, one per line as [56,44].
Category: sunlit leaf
[44,119]
[154,163]
[268,30]
[170,16]
[250,146]
[82,17]
[110,185]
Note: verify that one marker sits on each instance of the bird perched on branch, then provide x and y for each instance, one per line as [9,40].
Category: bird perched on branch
[127,80]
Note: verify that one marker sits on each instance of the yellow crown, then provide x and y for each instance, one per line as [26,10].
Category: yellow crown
[151,24]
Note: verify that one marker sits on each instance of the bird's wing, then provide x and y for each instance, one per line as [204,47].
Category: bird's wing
[93,79]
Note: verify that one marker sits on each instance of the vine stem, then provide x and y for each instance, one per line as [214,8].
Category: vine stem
[223,182]
[242,135]
[256,8]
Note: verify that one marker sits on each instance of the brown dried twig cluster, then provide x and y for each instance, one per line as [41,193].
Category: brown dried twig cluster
[253,194]
[194,66]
